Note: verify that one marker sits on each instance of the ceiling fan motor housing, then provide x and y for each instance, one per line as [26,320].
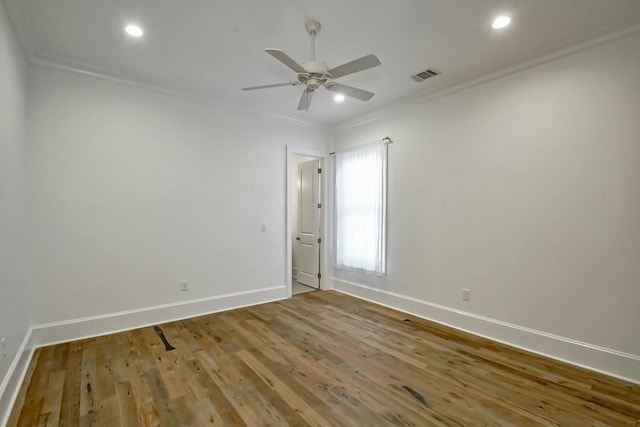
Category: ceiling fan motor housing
[317,74]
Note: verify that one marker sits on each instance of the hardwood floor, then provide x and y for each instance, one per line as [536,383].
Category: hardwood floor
[317,359]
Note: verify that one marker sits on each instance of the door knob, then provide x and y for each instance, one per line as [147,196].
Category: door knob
[297,238]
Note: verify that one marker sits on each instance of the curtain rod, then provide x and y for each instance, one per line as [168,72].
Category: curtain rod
[386,140]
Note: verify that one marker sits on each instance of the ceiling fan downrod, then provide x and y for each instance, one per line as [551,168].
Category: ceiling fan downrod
[313,27]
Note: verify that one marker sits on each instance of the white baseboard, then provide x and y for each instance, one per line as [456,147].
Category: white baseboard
[604,360]
[87,327]
[10,386]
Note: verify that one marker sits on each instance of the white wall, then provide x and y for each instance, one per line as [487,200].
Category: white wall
[14,315]
[295,183]
[526,190]
[134,191]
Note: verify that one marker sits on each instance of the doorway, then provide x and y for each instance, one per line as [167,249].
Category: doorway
[305,222]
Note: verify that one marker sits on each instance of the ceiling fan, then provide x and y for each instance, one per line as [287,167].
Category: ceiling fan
[314,74]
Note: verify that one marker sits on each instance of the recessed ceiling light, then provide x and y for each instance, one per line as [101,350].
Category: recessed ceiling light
[134,30]
[501,22]
[338,98]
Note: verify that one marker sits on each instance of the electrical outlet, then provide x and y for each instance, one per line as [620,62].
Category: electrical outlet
[3,344]
[466,295]
[264,228]
[184,286]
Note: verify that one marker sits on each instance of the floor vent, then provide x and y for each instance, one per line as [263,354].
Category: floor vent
[426,74]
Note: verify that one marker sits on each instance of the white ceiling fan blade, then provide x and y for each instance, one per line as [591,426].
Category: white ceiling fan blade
[286,60]
[305,100]
[273,85]
[353,92]
[354,66]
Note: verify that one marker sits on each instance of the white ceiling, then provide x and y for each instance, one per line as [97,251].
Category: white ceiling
[212,48]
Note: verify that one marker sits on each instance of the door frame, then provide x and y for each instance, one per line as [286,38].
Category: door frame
[324,254]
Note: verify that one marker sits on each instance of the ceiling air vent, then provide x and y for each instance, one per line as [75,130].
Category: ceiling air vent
[424,75]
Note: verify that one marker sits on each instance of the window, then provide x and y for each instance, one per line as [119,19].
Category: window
[360,192]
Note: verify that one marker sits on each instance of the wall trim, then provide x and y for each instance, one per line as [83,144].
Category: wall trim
[12,381]
[607,35]
[94,326]
[46,62]
[607,361]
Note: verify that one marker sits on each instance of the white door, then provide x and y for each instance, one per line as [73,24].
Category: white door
[309,223]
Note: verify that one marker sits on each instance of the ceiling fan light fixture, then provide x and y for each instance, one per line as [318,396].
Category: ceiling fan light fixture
[501,22]
[134,30]
[338,98]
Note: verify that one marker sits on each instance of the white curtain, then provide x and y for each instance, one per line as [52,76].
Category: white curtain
[360,193]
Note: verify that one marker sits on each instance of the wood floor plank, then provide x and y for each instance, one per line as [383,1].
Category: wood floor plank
[52,402]
[218,404]
[303,408]
[22,394]
[127,406]
[318,359]
[70,405]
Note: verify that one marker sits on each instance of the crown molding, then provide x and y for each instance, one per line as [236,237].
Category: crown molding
[18,19]
[610,34]
[42,62]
